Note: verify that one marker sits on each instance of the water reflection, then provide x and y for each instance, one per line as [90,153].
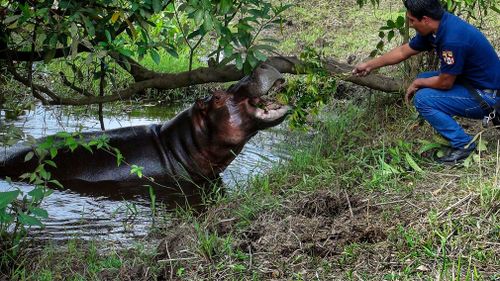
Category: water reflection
[95,215]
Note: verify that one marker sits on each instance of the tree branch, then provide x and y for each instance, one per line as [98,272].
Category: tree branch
[35,87]
[231,73]
[72,86]
[135,69]
[37,55]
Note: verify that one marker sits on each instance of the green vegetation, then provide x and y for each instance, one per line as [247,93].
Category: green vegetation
[134,39]
[360,199]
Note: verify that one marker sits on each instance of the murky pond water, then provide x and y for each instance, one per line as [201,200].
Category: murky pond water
[92,216]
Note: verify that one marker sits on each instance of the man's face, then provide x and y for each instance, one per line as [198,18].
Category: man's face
[421,26]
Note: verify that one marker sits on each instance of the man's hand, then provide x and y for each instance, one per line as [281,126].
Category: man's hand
[362,69]
[410,92]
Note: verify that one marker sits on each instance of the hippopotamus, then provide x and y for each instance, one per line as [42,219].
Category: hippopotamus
[192,148]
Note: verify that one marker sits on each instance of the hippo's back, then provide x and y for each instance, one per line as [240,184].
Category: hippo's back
[12,162]
[138,145]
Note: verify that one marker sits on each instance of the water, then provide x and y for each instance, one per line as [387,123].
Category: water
[90,216]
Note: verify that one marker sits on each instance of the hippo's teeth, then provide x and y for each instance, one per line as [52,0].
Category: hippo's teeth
[271,115]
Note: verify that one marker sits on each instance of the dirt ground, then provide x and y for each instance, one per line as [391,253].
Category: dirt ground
[317,226]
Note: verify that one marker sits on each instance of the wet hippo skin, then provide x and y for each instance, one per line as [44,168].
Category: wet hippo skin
[192,148]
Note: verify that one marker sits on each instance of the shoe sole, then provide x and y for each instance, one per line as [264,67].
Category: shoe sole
[451,163]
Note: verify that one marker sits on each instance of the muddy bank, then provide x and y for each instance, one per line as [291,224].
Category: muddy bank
[303,231]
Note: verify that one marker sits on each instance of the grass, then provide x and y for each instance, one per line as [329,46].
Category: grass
[80,260]
[339,33]
[356,201]
[425,237]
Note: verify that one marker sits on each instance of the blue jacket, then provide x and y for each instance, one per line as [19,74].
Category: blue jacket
[464,51]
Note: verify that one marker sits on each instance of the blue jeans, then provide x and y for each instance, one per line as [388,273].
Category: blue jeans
[439,106]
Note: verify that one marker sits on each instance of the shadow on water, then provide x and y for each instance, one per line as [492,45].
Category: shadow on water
[94,212]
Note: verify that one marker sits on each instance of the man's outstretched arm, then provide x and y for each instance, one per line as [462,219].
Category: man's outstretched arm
[394,56]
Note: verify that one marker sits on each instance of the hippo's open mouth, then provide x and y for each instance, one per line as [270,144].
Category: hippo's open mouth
[268,110]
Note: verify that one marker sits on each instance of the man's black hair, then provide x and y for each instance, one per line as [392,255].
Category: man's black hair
[421,8]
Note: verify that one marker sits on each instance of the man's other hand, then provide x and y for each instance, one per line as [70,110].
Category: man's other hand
[410,92]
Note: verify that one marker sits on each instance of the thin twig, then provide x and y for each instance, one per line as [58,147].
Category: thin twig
[251,257]
[387,203]
[72,86]
[171,264]
[177,259]
[348,203]
[461,201]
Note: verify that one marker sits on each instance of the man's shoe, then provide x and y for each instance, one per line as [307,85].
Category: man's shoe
[457,154]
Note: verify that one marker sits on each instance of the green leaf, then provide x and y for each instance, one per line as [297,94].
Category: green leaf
[108,36]
[482,145]
[63,134]
[388,169]
[155,56]
[412,163]
[126,52]
[198,16]
[5,217]
[56,182]
[29,156]
[194,34]
[173,52]
[400,22]
[476,158]
[53,152]
[119,157]
[51,163]
[428,147]
[136,170]
[496,9]
[270,40]
[37,193]
[390,35]
[208,23]
[87,147]
[8,197]
[228,50]
[89,26]
[156,6]
[49,55]
[380,45]
[252,60]
[260,56]
[239,61]
[225,6]
[11,19]
[29,220]
[468,162]
[71,143]
[39,212]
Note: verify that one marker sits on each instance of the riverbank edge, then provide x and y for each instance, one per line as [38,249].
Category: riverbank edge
[350,205]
